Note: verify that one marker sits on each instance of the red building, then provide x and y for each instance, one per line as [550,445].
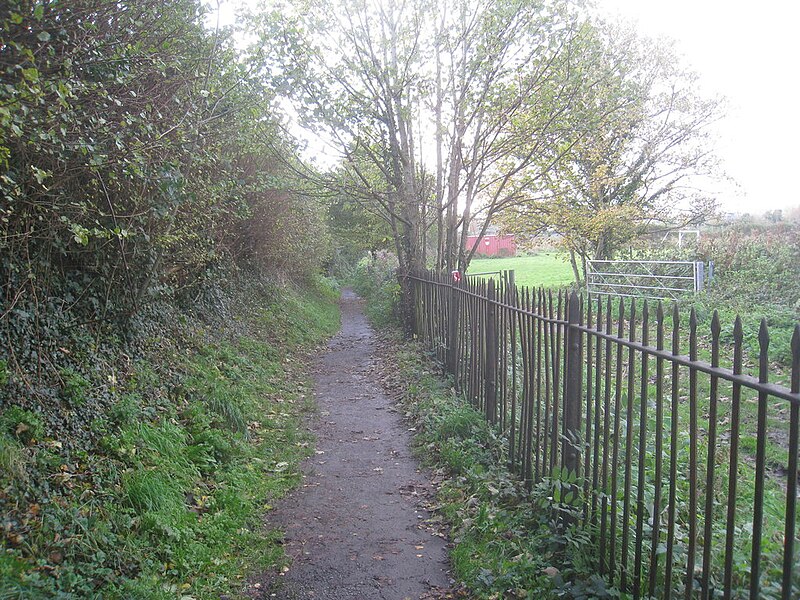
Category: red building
[493,245]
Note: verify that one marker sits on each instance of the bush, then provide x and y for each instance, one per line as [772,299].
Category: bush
[756,265]
[756,275]
[375,280]
[128,183]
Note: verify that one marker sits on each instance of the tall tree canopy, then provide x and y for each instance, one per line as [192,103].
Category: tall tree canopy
[434,108]
[637,165]
[465,110]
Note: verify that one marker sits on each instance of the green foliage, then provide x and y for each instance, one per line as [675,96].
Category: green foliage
[126,410]
[21,423]
[356,230]
[755,264]
[375,280]
[757,276]
[74,386]
[139,166]
[167,500]
[142,179]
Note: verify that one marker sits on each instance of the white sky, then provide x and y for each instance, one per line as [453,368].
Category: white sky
[748,53]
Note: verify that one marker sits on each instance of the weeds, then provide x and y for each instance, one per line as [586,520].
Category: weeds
[13,459]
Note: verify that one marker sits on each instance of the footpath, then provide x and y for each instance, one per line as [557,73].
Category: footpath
[356,528]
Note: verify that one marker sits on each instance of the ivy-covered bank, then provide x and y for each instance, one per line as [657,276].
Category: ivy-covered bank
[142,472]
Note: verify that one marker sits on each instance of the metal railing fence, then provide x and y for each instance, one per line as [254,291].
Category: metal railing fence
[687,467]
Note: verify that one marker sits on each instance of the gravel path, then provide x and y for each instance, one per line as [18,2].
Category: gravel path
[356,528]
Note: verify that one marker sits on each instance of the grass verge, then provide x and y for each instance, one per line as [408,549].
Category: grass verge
[505,540]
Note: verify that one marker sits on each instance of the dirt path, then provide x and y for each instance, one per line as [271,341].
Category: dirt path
[355,529]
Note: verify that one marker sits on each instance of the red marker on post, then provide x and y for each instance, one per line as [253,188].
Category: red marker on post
[456,276]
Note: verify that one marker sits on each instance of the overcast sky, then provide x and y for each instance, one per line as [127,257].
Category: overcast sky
[748,53]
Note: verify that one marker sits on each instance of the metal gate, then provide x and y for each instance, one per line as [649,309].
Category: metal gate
[657,279]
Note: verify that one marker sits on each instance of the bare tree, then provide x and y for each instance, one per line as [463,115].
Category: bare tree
[487,84]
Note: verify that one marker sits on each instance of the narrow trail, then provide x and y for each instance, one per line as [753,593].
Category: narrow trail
[355,529]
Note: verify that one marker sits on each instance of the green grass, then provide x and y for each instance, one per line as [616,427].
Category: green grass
[547,269]
[170,504]
[500,541]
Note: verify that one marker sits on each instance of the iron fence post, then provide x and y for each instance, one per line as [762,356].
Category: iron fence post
[510,282]
[490,384]
[573,386]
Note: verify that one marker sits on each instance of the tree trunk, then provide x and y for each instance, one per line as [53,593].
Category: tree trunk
[574,262]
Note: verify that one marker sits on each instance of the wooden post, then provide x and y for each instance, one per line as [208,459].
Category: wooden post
[452,332]
[491,355]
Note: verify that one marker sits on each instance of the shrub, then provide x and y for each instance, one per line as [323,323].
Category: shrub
[375,280]
[756,275]
[760,265]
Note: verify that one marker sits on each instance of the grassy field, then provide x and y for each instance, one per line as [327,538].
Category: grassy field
[548,269]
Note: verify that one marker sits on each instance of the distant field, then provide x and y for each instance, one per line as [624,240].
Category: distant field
[548,269]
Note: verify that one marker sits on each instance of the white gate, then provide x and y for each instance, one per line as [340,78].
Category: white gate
[657,279]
